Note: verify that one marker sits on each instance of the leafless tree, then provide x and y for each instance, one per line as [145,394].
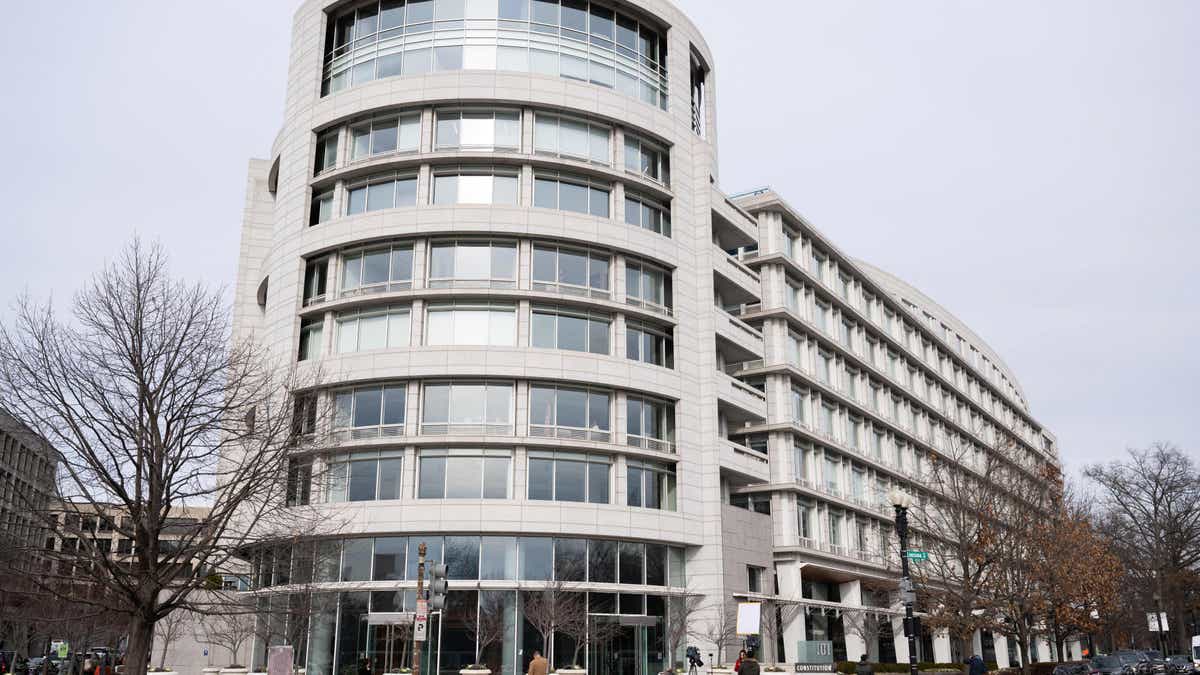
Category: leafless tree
[169,629]
[554,606]
[681,612]
[493,623]
[867,625]
[153,408]
[585,630]
[230,630]
[721,629]
[774,617]
[1152,504]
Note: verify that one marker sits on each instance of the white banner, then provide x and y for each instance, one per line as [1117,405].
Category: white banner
[1154,625]
[748,617]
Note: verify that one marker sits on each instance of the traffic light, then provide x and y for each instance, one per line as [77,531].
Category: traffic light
[437,586]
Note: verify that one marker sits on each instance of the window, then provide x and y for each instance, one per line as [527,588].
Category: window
[468,408]
[472,324]
[311,331]
[833,468]
[473,264]
[322,207]
[647,159]
[804,520]
[798,406]
[824,366]
[754,577]
[478,129]
[367,412]
[569,477]
[573,330]
[382,192]
[377,270]
[389,558]
[577,139]
[384,135]
[821,316]
[647,286]
[460,473]
[570,271]
[327,155]
[315,276]
[299,482]
[475,185]
[835,530]
[377,328]
[648,345]
[758,503]
[364,476]
[570,193]
[566,412]
[647,214]
[827,414]
[698,74]
[650,424]
[650,485]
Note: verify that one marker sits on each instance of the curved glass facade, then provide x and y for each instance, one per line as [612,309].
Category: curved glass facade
[570,38]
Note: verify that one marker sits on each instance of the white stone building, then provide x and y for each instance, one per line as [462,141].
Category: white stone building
[554,346]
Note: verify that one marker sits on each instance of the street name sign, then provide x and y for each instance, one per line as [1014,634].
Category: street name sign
[917,556]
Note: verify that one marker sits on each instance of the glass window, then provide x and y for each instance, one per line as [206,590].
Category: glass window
[576,331]
[381,192]
[473,264]
[656,565]
[311,331]
[570,193]
[382,328]
[327,155]
[498,558]
[570,270]
[471,324]
[577,139]
[649,420]
[647,159]
[462,473]
[648,214]
[631,564]
[473,129]
[433,552]
[356,560]
[384,135]
[602,561]
[570,559]
[568,477]
[364,476]
[462,557]
[322,207]
[537,558]
[650,485]
[389,558]
[365,407]
[648,345]
[646,285]
[551,407]
[475,185]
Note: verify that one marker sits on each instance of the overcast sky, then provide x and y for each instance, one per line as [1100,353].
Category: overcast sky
[1034,166]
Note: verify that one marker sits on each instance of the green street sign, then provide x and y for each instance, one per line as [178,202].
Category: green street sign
[917,556]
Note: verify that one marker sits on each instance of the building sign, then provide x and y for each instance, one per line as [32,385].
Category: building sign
[814,667]
[1154,624]
[814,653]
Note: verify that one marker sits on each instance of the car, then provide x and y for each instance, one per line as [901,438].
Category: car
[1180,664]
[1111,665]
[1136,660]
[1073,668]
[1156,660]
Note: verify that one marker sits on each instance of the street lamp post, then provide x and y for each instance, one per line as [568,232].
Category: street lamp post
[901,501]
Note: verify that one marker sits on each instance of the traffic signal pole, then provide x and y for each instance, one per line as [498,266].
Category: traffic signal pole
[906,589]
[416,657]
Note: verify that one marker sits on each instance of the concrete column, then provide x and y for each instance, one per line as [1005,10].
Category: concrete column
[1001,643]
[851,593]
[941,646]
[790,577]
[976,644]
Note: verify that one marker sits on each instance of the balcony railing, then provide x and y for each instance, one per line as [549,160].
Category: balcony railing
[647,443]
[570,433]
[648,306]
[373,289]
[365,433]
[442,429]
[571,289]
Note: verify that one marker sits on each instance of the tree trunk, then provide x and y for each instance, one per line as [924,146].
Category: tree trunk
[137,653]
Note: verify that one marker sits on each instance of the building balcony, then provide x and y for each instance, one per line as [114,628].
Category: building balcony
[750,464]
[736,283]
[736,340]
[732,227]
[740,403]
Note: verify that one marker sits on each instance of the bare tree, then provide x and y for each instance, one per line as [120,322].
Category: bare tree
[492,624]
[867,624]
[721,629]
[169,629]
[681,611]
[775,616]
[153,409]
[229,630]
[551,608]
[585,630]
[1152,504]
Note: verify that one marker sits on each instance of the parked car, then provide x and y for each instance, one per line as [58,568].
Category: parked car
[1181,664]
[1111,665]
[1157,663]
[1073,668]
[1137,660]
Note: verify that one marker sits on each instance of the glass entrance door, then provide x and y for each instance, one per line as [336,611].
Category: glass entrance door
[624,654]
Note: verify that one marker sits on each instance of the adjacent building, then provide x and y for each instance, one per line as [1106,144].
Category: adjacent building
[554,348]
[28,465]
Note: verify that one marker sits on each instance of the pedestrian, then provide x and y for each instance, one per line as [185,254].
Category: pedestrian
[538,666]
[749,665]
[863,667]
[737,665]
[976,666]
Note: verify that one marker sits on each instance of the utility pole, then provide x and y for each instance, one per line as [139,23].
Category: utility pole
[422,613]
[901,501]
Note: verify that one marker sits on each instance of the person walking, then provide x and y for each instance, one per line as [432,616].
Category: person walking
[864,667]
[539,665]
[737,665]
[749,665]
[976,666]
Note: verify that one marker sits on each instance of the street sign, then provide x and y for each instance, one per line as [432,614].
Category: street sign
[62,648]
[421,620]
[917,556]
[1158,625]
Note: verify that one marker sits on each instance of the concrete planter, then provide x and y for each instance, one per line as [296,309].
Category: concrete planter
[474,671]
[161,672]
[211,670]
[233,671]
[570,671]
[720,671]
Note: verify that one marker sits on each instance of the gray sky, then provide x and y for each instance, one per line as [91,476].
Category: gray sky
[1031,165]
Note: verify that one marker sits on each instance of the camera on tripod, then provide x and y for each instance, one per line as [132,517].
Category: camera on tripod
[693,656]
